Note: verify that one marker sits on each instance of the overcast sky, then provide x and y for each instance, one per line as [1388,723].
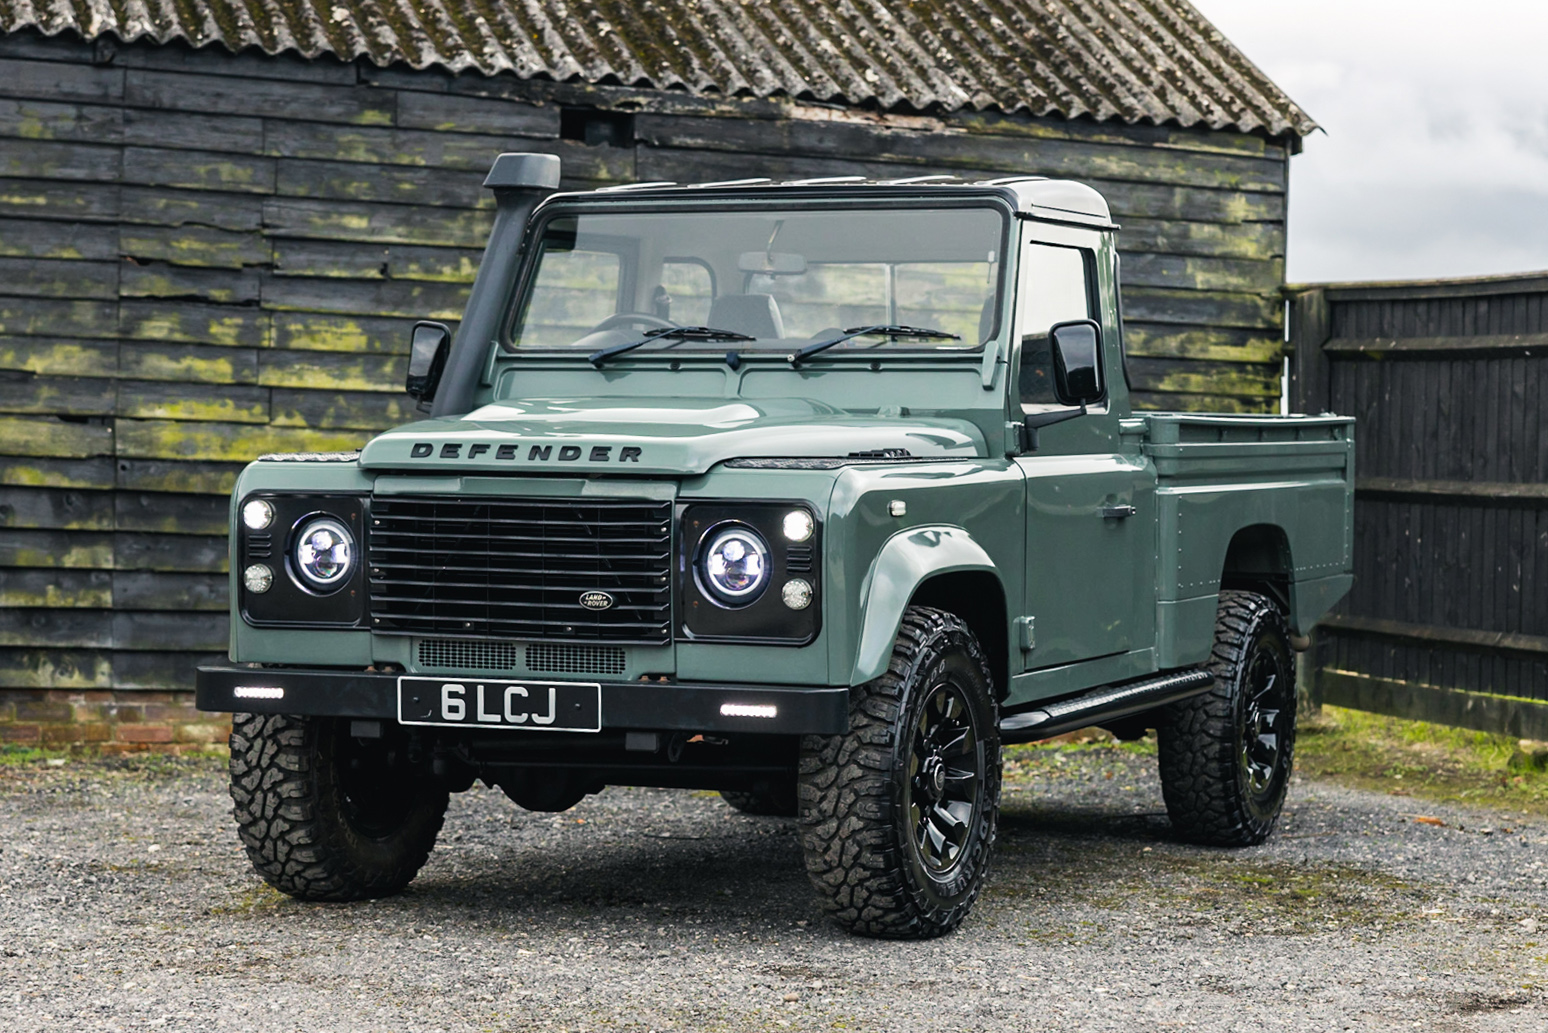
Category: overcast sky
[1434,157]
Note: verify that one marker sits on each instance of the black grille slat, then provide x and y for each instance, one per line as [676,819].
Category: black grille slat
[478,567]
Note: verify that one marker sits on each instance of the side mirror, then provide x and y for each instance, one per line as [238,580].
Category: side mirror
[427,357]
[1077,355]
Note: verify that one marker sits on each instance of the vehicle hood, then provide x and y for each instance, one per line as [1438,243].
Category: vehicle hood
[653,436]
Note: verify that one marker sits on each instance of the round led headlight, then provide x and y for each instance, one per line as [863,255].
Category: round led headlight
[257,514]
[798,525]
[257,578]
[324,552]
[735,564]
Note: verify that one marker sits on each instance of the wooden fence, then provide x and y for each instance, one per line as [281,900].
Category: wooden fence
[1448,619]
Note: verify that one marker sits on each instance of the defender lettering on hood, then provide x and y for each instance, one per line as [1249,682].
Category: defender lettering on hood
[535,453]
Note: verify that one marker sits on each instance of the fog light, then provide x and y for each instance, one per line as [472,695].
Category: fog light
[797,594]
[257,514]
[798,525]
[257,578]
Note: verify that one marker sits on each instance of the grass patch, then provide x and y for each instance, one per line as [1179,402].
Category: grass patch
[15,755]
[1423,760]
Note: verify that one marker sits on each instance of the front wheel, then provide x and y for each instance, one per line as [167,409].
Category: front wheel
[326,816]
[898,815]
[1226,755]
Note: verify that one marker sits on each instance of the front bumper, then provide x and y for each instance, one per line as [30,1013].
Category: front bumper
[644,706]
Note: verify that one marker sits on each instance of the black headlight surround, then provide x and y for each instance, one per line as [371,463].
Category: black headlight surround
[289,602]
[703,617]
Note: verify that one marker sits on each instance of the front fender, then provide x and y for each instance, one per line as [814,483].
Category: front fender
[906,561]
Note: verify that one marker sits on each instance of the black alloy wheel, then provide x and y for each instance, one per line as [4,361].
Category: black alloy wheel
[942,796]
[1226,755]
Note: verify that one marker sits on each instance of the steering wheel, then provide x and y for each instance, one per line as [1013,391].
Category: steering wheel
[619,319]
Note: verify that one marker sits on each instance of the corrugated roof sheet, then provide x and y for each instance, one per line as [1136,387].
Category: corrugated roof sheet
[1156,61]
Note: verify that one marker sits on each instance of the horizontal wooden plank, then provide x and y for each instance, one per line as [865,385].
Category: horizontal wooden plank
[109,629]
[73,549]
[50,159]
[194,323]
[198,170]
[338,371]
[1431,347]
[448,113]
[1170,137]
[1452,491]
[153,590]
[342,409]
[1466,638]
[277,99]
[59,628]
[173,513]
[60,80]
[339,259]
[56,238]
[61,201]
[46,120]
[160,206]
[188,363]
[1059,158]
[1203,308]
[38,47]
[318,331]
[56,589]
[55,396]
[1259,240]
[1149,400]
[44,356]
[96,472]
[174,401]
[225,134]
[56,509]
[1159,341]
[1498,715]
[420,299]
[1197,273]
[239,286]
[185,552]
[251,63]
[56,669]
[158,671]
[1435,290]
[53,317]
[225,442]
[1194,377]
[195,245]
[175,476]
[58,278]
[467,151]
[51,436]
[376,223]
[394,184]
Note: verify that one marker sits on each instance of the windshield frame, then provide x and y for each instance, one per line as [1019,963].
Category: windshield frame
[873,199]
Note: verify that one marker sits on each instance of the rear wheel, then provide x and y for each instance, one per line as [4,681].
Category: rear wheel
[899,814]
[326,816]
[1226,755]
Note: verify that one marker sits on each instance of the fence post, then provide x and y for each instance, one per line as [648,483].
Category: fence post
[1310,327]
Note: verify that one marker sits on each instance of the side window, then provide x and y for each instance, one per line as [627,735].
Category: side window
[1056,287]
[689,286]
[575,290]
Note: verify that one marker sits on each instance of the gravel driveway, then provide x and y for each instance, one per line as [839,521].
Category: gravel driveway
[125,903]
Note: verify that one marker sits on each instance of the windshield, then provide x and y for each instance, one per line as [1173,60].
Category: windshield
[771,279]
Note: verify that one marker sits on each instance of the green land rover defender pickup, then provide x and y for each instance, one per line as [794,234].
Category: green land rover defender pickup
[815,493]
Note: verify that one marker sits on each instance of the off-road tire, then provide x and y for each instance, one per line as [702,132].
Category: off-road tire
[858,791]
[305,834]
[777,801]
[1203,742]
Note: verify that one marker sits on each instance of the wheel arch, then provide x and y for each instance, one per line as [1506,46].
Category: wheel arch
[1258,560]
[940,566]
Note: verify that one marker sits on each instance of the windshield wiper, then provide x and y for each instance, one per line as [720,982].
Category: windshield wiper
[880,329]
[686,333]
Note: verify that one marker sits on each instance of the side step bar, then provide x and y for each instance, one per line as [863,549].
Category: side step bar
[1105,704]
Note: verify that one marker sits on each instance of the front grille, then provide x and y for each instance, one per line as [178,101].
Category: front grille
[517,568]
[463,654]
[564,659]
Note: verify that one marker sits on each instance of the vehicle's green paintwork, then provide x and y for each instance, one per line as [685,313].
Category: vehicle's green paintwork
[1083,599]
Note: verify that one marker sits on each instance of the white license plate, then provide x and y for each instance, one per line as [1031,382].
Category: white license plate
[542,706]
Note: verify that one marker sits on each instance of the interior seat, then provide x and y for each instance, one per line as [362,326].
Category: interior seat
[756,315]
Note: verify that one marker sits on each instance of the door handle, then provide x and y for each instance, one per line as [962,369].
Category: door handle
[1117,512]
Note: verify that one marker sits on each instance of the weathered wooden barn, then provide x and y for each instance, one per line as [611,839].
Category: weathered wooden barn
[219,217]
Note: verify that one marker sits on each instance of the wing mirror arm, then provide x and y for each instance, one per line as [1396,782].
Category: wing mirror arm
[1033,422]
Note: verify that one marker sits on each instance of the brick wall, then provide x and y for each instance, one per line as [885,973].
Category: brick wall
[110,722]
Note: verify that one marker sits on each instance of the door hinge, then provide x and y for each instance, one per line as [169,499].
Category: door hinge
[1026,634]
